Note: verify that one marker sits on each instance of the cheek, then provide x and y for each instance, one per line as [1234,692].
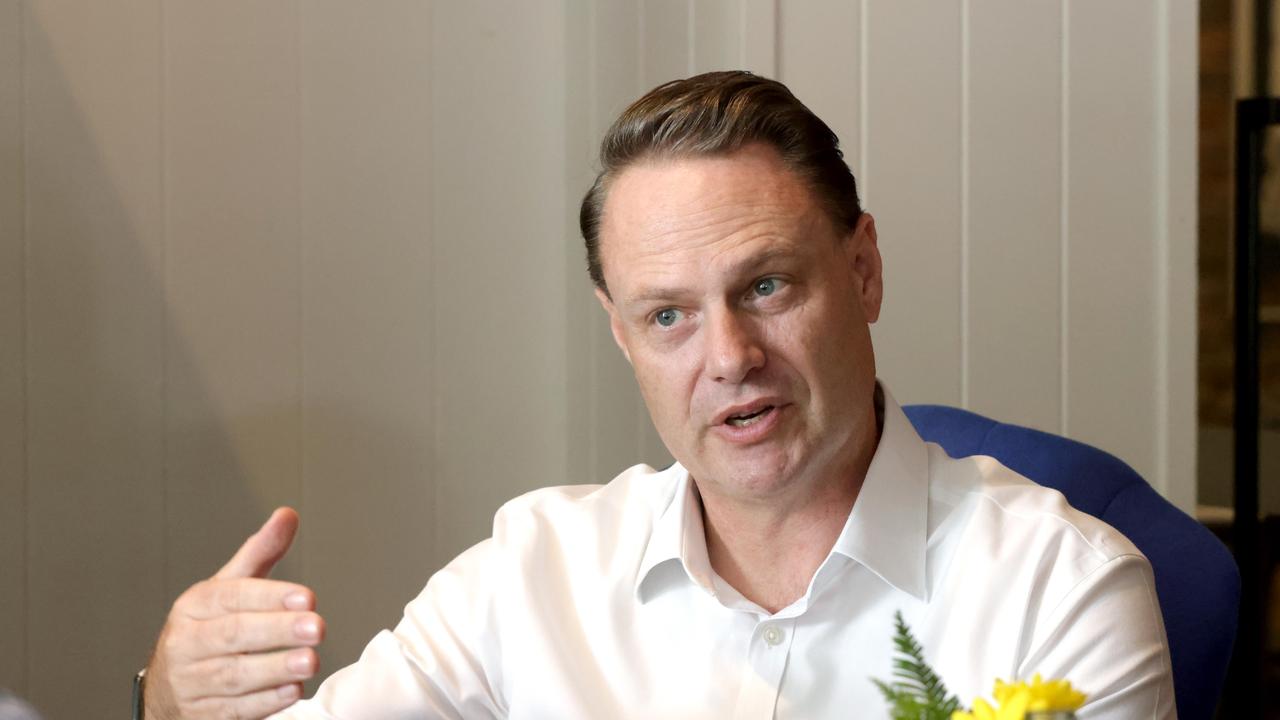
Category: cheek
[822,347]
[795,340]
[667,381]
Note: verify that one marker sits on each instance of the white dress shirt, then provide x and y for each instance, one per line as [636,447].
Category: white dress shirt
[599,602]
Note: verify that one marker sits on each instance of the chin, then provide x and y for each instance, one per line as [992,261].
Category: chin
[758,474]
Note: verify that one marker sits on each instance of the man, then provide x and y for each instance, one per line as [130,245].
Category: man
[759,576]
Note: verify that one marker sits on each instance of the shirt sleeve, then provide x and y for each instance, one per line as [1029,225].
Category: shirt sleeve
[439,662]
[1107,637]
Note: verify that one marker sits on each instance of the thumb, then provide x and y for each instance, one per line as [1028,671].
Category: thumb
[263,549]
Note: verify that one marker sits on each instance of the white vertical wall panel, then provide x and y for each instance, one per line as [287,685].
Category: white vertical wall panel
[499,165]
[233,349]
[367,322]
[13,432]
[1112,235]
[95,500]
[666,41]
[760,36]
[1175,270]
[910,181]
[717,35]
[820,60]
[581,312]
[617,412]
[1013,228]
[614,46]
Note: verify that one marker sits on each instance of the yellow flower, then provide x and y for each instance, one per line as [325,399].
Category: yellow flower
[1014,708]
[1017,699]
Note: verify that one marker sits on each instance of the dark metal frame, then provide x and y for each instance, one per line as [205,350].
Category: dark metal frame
[1253,117]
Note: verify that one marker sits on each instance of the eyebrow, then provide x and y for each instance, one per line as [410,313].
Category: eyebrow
[746,266]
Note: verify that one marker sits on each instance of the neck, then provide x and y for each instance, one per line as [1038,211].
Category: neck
[769,551]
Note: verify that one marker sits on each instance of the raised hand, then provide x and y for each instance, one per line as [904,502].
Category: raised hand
[237,645]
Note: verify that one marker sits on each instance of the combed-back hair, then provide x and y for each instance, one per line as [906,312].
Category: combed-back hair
[715,114]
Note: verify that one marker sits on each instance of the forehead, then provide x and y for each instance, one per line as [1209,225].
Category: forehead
[664,214]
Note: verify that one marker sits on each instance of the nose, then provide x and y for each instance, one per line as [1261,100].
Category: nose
[732,347]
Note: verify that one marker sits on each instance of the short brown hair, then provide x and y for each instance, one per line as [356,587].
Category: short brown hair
[718,113]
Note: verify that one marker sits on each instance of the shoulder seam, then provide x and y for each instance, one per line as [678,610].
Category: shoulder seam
[1106,557]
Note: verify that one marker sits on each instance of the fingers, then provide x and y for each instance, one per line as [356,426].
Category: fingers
[263,549]
[233,676]
[238,686]
[212,598]
[262,703]
[238,645]
[250,706]
[255,632]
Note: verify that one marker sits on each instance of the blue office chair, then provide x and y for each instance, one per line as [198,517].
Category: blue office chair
[1197,581]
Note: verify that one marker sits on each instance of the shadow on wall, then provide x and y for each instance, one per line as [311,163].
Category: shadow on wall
[166,414]
[135,484]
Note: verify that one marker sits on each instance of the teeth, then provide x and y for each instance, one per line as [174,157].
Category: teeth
[745,420]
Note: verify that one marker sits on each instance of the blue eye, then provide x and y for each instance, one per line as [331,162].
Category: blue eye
[667,317]
[767,286]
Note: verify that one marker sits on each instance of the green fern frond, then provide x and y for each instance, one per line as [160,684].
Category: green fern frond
[917,693]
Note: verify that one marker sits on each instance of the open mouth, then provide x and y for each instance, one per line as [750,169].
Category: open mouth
[749,418]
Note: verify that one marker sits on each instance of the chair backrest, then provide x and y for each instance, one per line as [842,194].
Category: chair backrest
[1197,580]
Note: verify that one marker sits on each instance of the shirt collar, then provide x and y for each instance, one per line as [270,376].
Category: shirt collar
[887,531]
[678,535]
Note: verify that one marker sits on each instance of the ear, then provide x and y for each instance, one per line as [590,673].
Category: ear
[862,251]
[615,323]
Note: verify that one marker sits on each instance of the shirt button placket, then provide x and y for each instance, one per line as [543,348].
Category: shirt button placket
[762,676]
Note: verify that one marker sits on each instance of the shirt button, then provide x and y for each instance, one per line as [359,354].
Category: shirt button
[772,636]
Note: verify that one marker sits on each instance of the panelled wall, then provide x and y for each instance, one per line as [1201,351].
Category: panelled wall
[324,253]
